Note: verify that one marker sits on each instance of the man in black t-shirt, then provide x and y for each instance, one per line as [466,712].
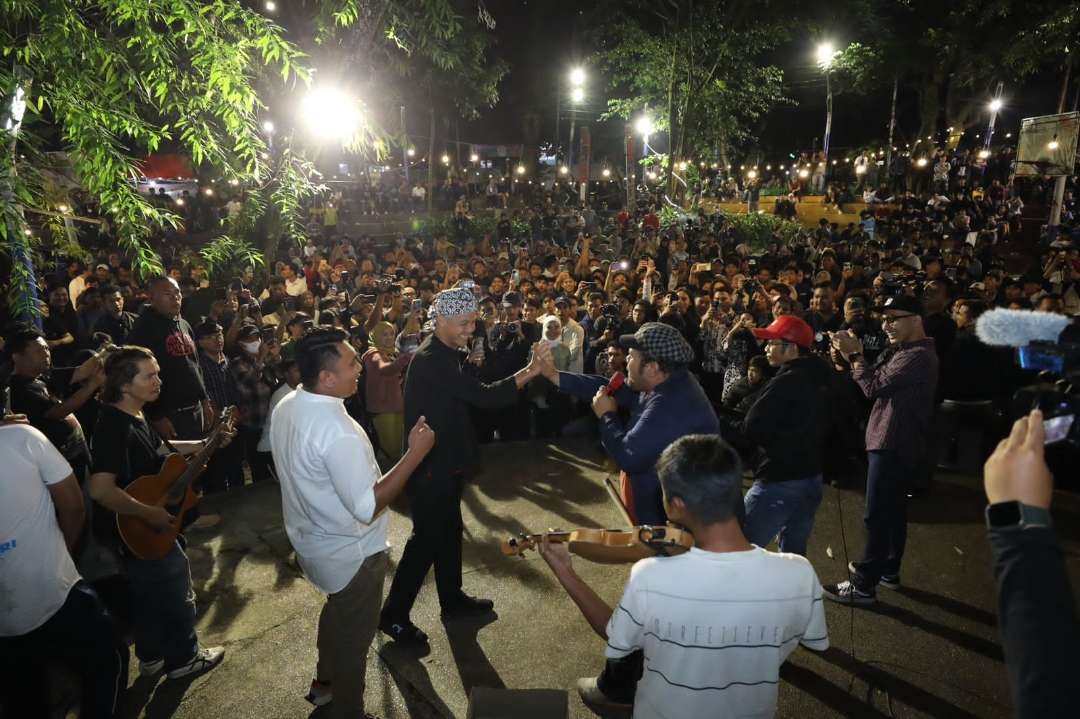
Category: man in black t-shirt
[114,321]
[30,395]
[125,447]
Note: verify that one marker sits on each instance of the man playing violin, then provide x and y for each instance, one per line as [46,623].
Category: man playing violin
[711,640]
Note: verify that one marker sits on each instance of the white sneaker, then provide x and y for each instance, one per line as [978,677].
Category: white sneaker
[151,669]
[205,658]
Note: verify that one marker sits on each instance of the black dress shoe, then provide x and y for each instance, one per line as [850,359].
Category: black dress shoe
[466,606]
[402,630]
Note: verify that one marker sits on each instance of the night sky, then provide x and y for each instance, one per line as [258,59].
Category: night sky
[542,39]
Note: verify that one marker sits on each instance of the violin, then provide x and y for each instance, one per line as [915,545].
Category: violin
[609,546]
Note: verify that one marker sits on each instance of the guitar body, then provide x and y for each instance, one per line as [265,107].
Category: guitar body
[144,541]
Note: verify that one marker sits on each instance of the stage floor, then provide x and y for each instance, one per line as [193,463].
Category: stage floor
[930,649]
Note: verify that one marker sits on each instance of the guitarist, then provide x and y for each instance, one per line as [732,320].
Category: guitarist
[124,448]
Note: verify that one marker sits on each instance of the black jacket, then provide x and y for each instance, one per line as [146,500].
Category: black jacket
[436,388]
[789,419]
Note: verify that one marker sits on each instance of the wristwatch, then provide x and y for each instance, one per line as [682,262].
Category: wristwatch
[1016,515]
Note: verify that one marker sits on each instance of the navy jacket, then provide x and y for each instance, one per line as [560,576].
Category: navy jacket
[674,409]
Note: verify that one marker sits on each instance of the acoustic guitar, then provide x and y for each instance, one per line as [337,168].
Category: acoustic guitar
[169,488]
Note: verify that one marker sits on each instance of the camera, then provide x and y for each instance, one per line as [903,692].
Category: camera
[609,310]
[384,285]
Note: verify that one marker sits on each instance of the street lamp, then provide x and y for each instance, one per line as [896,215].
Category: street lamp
[270,6]
[825,55]
[332,114]
[521,169]
[411,152]
[644,127]
[577,77]
[474,157]
[445,159]
[995,105]
[268,127]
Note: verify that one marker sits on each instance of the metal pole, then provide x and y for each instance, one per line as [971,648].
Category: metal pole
[892,128]
[405,145]
[558,108]
[993,116]
[828,118]
[1059,182]
[570,150]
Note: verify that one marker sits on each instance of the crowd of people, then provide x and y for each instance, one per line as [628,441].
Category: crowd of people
[689,353]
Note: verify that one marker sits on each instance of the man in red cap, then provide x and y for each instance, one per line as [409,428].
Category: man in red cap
[787,422]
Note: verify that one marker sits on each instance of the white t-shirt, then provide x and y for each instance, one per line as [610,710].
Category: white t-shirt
[327,470]
[296,286]
[715,628]
[36,571]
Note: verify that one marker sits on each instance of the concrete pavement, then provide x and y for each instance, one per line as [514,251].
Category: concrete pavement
[930,649]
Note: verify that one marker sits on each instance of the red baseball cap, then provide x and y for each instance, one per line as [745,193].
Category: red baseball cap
[788,328]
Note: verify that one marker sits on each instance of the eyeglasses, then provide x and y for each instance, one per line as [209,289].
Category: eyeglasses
[892,319]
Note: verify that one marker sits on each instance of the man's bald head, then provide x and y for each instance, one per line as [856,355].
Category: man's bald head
[165,296]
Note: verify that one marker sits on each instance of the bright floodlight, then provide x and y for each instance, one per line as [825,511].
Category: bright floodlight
[983,154]
[921,162]
[577,77]
[521,169]
[1052,145]
[445,159]
[995,104]
[682,165]
[825,54]
[410,152]
[268,127]
[331,114]
[804,173]
[644,125]
[605,172]
[577,94]
[563,170]
[752,174]
[271,6]
[474,157]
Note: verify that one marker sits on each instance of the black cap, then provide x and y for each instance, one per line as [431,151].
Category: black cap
[903,303]
[209,328]
[247,331]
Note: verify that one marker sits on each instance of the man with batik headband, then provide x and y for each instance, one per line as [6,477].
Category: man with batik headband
[436,388]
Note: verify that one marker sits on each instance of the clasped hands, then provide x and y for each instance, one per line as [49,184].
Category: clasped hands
[542,363]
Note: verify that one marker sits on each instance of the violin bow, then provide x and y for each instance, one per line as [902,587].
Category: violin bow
[613,492]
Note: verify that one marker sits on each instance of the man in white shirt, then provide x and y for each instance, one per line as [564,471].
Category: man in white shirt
[46,610]
[333,499]
[714,624]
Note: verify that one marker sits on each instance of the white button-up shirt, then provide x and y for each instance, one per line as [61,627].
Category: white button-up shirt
[328,473]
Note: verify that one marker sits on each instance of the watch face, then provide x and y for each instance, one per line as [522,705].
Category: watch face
[1004,514]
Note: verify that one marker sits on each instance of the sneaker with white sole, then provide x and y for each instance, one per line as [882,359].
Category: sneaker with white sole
[205,658]
[151,669]
[889,581]
[847,593]
[320,693]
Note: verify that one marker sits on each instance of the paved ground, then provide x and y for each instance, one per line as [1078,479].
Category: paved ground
[929,650]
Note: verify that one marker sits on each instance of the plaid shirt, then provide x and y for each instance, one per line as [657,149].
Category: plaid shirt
[252,390]
[220,386]
[902,385]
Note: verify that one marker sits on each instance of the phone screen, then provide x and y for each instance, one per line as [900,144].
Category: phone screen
[1057,428]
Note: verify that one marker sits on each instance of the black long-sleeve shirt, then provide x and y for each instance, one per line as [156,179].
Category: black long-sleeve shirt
[1038,622]
[436,388]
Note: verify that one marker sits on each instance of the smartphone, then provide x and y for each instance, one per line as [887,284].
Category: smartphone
[1057,428]
[417,305]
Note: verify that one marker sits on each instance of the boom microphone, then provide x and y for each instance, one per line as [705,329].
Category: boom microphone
[1019,328]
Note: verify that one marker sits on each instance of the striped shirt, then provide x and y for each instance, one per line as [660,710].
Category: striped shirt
[902,385]
[714,629]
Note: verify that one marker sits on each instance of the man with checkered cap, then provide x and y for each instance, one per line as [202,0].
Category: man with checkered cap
[436,388]
[665,402]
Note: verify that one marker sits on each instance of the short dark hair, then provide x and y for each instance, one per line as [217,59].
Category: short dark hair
[316,351]
[706,473]
[121,367]
[21,337]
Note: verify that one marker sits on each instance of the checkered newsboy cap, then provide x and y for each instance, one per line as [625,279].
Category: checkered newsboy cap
[661,342]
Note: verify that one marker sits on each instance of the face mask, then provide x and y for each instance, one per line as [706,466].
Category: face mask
[251,347]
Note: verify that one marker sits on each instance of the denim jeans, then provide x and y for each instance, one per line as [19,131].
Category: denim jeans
[885,518]
[163,608]
[784,508]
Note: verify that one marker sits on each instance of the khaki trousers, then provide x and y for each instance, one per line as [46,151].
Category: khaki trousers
[347,626]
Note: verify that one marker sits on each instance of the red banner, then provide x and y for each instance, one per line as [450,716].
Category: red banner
[584,155]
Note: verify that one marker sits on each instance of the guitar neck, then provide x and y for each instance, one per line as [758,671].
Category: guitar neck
[195,466]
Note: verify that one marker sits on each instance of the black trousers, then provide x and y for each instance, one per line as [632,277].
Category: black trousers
[435,540]
[81,634]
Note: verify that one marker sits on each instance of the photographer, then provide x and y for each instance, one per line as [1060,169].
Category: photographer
[1036,611]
